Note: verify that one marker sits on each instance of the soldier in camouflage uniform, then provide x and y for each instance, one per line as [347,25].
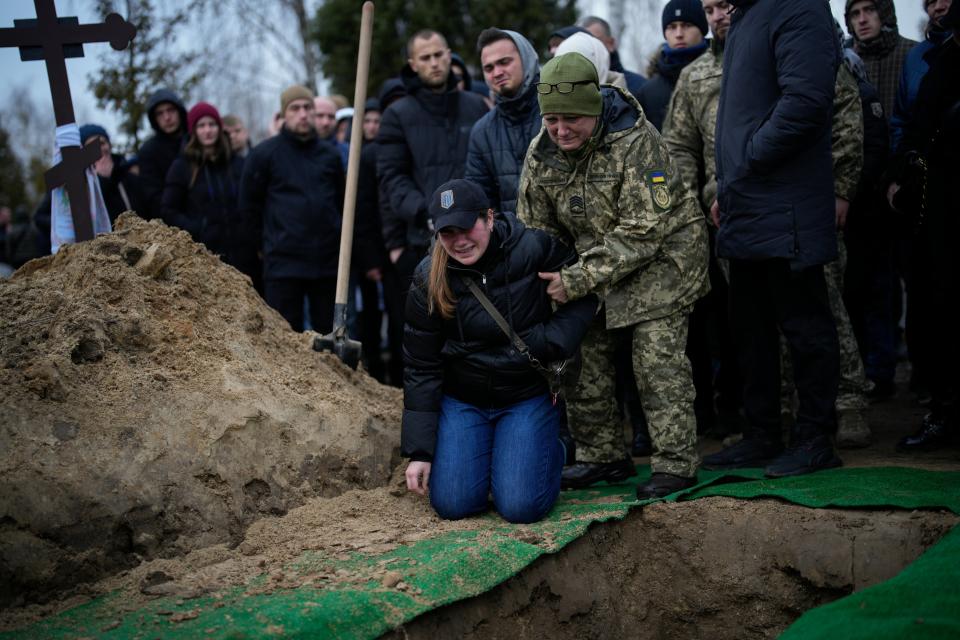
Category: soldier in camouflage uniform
[689,131]
[599,177]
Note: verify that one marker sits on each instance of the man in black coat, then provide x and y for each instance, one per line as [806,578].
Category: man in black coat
[928,199]
[777,224]
[499,140]
[423,143]
[168,117]
[291,196]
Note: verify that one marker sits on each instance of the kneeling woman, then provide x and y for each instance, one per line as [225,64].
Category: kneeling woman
[478,417]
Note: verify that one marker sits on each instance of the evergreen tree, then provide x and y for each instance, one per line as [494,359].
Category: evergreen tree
[127,78]
[460,21]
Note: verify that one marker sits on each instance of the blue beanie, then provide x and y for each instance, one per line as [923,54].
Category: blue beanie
[87,131]
[685,11]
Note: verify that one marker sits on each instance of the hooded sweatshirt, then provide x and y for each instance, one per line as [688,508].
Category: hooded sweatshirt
[593,50]
[499,140]
[158,153]
[882,56]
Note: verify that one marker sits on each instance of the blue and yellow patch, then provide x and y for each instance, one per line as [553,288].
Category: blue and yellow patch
[659,191]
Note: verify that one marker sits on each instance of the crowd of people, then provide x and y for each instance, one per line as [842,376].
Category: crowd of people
[731,241]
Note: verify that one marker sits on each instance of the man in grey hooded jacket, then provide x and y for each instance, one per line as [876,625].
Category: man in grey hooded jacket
[499,140]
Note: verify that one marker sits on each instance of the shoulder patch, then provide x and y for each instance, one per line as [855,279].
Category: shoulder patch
[877,109]
[659,191]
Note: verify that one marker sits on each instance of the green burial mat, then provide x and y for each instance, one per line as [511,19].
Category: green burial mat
[358,597]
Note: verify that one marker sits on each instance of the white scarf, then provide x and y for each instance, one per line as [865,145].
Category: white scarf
[61,220]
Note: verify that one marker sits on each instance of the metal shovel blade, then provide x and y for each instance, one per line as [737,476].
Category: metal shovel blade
[346,349]
[337,341]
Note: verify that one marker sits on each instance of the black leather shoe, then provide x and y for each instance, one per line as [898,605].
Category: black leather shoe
[934,433]
[804,456]
[640,446]
[749,452]
[663,484]
[584,474]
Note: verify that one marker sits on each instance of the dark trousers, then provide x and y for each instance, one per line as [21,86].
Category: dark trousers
[871,292]
[405,266]
[286,296]
[766,296]
[371,322]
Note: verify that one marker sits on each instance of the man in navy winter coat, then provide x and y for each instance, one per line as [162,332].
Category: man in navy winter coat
[777,224]
[499,140]
[291,196]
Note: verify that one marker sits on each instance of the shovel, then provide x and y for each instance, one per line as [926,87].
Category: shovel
[337,340]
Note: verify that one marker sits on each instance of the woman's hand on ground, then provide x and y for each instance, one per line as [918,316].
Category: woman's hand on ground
[418,477]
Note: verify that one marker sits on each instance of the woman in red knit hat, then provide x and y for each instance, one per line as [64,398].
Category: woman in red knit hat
[201,191]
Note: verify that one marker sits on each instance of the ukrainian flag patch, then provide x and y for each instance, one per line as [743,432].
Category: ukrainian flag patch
[659,191]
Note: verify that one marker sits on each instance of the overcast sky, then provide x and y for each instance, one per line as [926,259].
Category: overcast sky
[34,76]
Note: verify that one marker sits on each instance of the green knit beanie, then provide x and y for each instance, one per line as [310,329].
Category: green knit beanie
[585,98]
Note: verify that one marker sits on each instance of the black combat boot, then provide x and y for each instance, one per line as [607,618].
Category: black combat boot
[935,432]
[585,474]
[663,484]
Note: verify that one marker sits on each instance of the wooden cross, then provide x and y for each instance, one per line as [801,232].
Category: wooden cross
[53,40]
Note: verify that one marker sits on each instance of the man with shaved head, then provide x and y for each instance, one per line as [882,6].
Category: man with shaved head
[324,117]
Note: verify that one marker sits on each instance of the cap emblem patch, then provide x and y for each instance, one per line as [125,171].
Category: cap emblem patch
[446,199]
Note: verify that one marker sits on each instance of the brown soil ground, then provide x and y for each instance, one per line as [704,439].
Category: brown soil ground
[165,429]
[715,568]
[153,405]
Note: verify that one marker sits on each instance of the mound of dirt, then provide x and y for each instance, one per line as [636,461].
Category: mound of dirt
[154,405]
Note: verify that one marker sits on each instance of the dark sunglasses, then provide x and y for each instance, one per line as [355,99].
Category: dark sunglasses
[561,87]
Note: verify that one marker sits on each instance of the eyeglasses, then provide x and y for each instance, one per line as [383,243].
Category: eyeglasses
[544,88]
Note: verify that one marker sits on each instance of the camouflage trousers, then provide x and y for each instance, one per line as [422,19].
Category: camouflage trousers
[853,379]
[666,392]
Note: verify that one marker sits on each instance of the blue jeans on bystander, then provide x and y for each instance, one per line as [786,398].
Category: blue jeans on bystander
[513,452]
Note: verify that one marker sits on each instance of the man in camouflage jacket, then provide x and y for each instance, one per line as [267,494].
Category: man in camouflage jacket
[599,178]
[689,131]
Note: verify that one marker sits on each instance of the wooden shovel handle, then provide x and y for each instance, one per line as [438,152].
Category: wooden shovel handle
[353,161]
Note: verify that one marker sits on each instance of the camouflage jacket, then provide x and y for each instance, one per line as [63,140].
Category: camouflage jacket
[847,135]
[620,203]
[690,127]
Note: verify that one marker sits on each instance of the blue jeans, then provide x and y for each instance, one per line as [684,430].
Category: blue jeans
[513,452]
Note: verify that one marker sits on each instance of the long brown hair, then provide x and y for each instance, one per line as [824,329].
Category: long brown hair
[198,156]
[439,295]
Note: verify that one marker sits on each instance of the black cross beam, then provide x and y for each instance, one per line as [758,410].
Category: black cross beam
[53,40]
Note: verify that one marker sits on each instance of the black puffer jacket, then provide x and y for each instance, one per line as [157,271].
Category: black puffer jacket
[158,153]
[498,146]
[468,357]
[423,143]
[499,141]
[206,206]
[291,196]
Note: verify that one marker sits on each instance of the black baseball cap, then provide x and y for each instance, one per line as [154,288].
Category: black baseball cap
[457,203]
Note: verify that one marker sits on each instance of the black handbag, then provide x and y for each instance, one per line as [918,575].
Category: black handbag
[558,374]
